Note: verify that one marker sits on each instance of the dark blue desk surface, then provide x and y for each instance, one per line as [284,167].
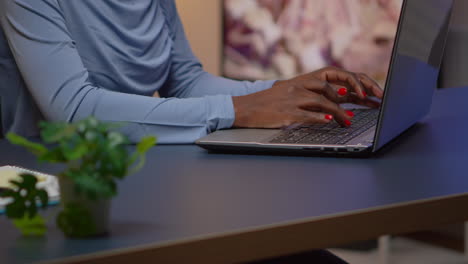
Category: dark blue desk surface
[185,194]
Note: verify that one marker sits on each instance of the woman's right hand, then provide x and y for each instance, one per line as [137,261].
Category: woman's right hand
[288,103]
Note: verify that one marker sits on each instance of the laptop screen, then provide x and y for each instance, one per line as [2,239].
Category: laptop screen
[278,39]
[414,68]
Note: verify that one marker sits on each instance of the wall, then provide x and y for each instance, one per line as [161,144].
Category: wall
[202,23]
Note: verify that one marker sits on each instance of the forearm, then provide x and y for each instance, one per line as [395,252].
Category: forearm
[208,84]
[173,121]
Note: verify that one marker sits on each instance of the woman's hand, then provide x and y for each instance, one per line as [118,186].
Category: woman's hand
[309,98]
[357,84]
[289,103]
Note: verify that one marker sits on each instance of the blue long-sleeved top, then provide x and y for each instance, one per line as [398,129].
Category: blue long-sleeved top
[65,60]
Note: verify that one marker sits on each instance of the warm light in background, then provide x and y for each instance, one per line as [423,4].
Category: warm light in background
[202,22]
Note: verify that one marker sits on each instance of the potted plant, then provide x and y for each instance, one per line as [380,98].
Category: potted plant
[95,155]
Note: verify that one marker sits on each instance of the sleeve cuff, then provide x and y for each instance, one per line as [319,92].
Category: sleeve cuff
[261,85]
[221,113]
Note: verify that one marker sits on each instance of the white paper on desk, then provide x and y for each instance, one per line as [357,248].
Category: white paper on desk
[45,181]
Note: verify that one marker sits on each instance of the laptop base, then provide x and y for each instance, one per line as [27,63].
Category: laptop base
[268,151]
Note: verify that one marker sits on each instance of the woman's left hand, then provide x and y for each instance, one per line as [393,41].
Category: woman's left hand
[349,87]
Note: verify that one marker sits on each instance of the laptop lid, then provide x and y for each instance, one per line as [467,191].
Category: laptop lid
[413,73]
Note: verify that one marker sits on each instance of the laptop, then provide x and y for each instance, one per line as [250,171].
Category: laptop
[410,84]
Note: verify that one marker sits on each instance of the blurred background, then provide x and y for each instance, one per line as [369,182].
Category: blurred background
[280,39]
[205,34]
[455,65]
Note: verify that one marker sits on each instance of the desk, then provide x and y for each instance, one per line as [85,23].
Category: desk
[190,206]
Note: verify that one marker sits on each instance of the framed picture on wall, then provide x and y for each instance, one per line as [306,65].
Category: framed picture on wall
[278,39]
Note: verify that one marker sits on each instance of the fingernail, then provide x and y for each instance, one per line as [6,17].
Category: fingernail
[347,123]
[342,91]
[329,117]
[349,113]
[364,93]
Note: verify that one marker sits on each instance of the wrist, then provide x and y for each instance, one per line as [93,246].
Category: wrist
[278,83]
[240,118]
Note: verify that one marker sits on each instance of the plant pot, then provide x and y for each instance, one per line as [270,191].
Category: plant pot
[99,210]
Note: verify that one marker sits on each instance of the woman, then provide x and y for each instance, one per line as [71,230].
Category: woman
[106,58]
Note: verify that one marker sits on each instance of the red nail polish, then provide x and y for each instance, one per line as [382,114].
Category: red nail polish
[349,113]
[329,117]
[364,93]
[347,123]
[342,91]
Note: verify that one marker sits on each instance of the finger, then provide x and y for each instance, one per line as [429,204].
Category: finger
[370,85]
[335,93]
[314,85]
[309,117]
[369,102]
[340,93]
[335,75]
[323,104]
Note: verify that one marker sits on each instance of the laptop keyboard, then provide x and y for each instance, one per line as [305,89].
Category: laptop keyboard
[331,133]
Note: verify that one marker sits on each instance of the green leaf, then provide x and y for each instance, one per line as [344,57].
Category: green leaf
[52,132]
[145,144]
[81,127]
[54,155]
[139,165]
[7,193]
[141,149]
[17,196]
[114,162]
[35,148]
[34,226]
[91,122]
[25,197]
[74,150]
[16,183]
[116,139]
[29,181]
[43,197]
[94,185]
[15,210]
[31,208]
